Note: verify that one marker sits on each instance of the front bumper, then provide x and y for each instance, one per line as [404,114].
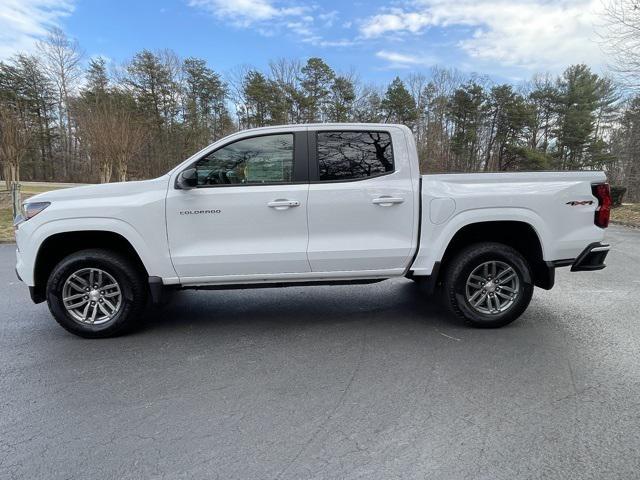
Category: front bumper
[592,258]
[36,297]
[21,273]
[20,266]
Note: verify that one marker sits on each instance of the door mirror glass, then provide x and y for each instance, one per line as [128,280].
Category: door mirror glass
[187,179]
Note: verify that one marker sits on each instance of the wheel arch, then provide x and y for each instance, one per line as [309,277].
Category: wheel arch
[518,234]
[57,246]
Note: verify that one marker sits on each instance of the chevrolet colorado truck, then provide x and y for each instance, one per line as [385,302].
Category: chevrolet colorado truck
[308,205]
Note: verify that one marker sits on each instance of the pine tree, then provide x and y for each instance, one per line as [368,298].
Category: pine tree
[316,81]
[341,100]
[398,104]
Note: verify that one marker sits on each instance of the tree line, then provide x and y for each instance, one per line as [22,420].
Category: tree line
[62,121]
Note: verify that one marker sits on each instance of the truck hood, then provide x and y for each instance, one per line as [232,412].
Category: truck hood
[102,190]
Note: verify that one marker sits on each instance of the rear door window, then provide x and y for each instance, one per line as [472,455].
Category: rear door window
[351,155]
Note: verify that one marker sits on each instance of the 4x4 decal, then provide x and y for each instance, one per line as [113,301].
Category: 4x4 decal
[582,202]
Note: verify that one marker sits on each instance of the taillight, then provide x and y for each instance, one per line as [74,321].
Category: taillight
[603,193]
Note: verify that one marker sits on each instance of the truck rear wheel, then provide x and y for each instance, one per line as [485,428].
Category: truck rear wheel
[96,293]
[488,284]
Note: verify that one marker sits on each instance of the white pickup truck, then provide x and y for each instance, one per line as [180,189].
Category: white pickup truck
[308,204]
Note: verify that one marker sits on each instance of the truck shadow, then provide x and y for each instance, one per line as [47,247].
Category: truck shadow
[393,301]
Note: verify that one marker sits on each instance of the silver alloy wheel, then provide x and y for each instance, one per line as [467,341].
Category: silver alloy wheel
[492,287]
[91,296]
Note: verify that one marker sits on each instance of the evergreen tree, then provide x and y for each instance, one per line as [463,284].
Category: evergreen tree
[341,100]
[466,109]
[398,104]
[578,101]
[97,78]
[317,79]
[205,111]
[151,80]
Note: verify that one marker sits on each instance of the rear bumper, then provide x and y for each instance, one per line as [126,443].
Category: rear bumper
[592,258]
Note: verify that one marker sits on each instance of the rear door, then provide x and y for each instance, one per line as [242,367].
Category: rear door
[361,201]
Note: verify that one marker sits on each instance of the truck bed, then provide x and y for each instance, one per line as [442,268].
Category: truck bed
[559,206]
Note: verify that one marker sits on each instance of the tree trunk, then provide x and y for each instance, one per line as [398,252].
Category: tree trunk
[122,168]
[105,171]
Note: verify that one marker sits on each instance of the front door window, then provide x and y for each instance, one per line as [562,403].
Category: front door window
[252,161]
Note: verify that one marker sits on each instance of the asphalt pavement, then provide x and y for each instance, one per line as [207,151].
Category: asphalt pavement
[330,382]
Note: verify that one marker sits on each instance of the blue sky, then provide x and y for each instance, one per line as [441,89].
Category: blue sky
[506,39]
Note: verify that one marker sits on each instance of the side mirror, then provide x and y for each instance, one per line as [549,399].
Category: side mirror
[187,179]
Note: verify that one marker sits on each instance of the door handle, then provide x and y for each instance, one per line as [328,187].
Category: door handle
[387,201]
[283,204]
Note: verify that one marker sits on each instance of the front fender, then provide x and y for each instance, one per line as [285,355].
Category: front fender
[153,252]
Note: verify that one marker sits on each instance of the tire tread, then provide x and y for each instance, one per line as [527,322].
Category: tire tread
[135,292]
[466,256]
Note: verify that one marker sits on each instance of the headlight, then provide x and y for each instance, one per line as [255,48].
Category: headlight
[31,209]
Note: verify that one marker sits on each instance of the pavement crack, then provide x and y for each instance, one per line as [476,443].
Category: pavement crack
[333,411]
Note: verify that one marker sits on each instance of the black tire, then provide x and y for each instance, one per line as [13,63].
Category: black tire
[463,265]
[132,284]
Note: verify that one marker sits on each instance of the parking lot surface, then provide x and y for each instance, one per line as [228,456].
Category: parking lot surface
[344,382]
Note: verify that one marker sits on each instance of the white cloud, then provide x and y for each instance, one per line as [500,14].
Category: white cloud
[245,13]
[269,17]
[22,22]
[395,21]
[319,41]
[329,18]
[532,34]
[403,60]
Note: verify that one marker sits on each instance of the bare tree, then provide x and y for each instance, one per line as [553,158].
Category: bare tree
[62,59]
[126,139]
[286,74]
[94,139]
[621,35]
[112,136]
[417,84]
[14,142]
[235,79]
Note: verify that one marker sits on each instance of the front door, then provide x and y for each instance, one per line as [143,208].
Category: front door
[248,214]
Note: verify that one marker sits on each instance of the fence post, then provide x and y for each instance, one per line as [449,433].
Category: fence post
[16,202]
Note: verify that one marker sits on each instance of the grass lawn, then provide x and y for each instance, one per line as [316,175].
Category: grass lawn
[27,190]
[33,188]
[627,214]
[6,225]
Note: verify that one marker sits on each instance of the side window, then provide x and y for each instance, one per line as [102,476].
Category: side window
[257,160]
[353,155]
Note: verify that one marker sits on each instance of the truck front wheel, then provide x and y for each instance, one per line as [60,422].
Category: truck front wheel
[96,293]
[488,284]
